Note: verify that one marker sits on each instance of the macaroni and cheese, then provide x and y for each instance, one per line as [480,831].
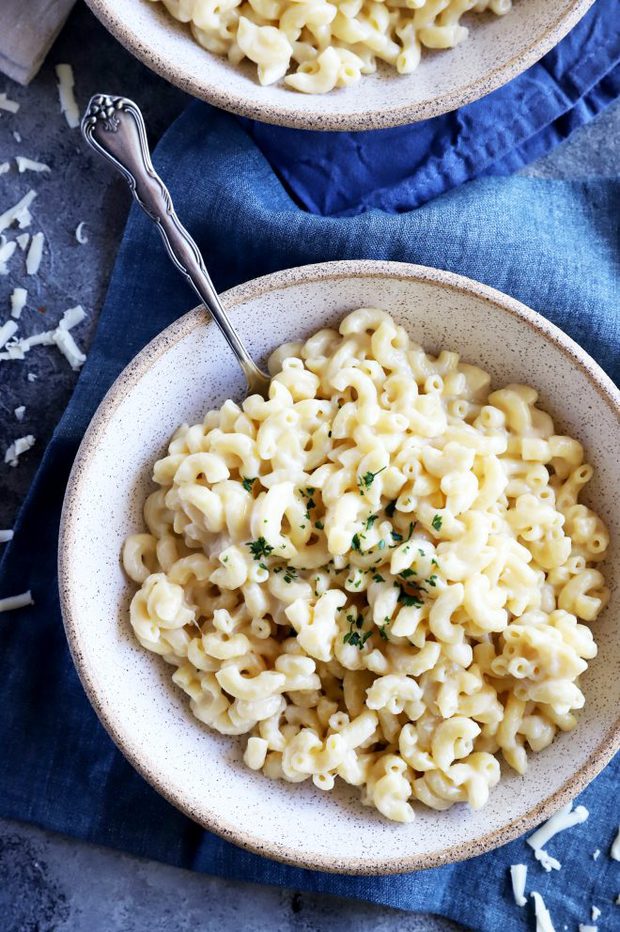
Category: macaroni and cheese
[316,46]
[381,573]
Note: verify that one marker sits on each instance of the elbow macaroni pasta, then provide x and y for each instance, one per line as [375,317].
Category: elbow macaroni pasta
[316,46]
[380,573]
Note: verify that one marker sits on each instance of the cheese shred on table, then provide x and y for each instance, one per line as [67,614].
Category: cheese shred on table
[518,875]
[14,602]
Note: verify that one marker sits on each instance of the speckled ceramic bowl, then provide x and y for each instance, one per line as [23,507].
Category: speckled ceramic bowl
[497,49]
[187,369]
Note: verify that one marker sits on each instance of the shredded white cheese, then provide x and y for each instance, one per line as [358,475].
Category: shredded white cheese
[29,165]
[13,350]
[72,317]
[68,347]
[615,848]
[518,875]
[46,338]
[546,861]
[4,167]
[19,412]
[562,820]
[22,240]
[6,251]
[16,601]
[19,446]
[6,536]
[18,302]
[595,913]
[11,106]
[596,854]
[543,917]
[17,136]
[19,214]
[7,331]
[35,254]
[68,104]
[32,377]
[60,337]
[80,235]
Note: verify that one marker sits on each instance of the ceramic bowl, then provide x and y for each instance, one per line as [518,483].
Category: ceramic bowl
[497,49]
[177,377]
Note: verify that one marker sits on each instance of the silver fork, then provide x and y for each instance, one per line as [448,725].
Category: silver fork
[114,127]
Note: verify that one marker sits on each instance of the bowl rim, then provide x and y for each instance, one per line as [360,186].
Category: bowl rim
[284,114]
[209,818]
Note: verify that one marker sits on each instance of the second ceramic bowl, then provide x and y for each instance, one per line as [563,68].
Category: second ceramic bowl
[497,50]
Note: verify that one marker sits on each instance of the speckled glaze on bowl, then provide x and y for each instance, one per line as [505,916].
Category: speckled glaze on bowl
[497,50]
[186,370]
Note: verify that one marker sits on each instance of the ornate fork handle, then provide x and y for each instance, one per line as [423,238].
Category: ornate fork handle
[114,127]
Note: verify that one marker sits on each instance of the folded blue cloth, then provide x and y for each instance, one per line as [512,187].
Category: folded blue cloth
[340,174]
[550,244]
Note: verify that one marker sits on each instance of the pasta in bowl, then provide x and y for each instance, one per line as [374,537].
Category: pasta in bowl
[324,45]
[384,63]
[412,691]
[380,573]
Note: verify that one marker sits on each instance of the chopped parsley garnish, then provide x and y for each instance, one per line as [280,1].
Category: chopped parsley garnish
[433,561]
[370,520]
[319,525]
[311,504]
[406,573]
[411,601]
[412,525]
[390,509]
[307,493]
[248,483]
[437,522]
[396,536]
[262,566]
[378,578]
[356,638]
[290,574]
[259,548]
[382,628]
[365,481]
[355,542]
[432,580]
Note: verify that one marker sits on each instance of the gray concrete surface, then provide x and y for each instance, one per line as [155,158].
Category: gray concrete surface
[51,883]
[48,882]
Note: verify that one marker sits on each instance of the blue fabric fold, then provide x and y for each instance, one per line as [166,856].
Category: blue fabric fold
[553,245]
[343,174]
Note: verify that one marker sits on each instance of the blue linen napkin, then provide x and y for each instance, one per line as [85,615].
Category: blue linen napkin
[550,244]
[341,174]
